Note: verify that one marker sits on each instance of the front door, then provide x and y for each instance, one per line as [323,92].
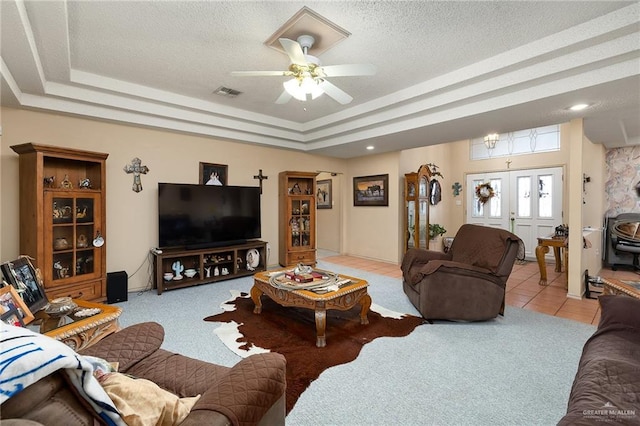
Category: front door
[526,202]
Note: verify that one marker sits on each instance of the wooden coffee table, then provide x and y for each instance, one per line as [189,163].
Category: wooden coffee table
[615,286]
[342,299]
[81,332]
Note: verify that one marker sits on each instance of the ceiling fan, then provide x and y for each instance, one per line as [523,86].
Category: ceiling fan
[309,76]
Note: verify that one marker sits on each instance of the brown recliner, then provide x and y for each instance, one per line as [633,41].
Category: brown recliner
[252,392]
[466,283]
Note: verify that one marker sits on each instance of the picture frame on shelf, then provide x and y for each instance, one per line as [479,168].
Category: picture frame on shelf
[371,190]
[26,280]
[324,194]
[213,174]
[13,310]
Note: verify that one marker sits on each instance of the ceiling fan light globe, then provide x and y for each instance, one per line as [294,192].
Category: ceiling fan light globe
[317,92]
[294,89]
[308,84]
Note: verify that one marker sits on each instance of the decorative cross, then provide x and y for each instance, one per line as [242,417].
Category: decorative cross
[508,163]
[261,177]
[456,189]
[136,168]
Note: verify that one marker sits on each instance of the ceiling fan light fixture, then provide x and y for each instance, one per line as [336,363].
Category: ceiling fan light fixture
[299,89]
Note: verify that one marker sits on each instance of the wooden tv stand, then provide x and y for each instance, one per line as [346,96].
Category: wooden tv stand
[230,259]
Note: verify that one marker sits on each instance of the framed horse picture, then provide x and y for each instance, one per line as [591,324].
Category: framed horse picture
[371,190]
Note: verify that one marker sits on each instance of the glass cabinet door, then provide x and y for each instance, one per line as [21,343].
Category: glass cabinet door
[410,214]
[411,224]
[73,230]
[423,211]
[300,223]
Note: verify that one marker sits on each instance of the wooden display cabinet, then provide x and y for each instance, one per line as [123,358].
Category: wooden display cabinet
[62,213]
[210,265]
[416,216]
[297,224]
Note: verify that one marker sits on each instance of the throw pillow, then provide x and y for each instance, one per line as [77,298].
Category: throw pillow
[143,403]
[619,309]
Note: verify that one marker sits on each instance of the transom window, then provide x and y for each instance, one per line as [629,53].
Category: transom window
[522,142]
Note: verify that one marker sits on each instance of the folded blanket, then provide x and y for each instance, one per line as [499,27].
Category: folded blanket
[26,357]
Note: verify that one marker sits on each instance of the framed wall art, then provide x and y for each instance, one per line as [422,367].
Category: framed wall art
[24,278]
[213,174]
[371,190]
[323,194]
[13,310]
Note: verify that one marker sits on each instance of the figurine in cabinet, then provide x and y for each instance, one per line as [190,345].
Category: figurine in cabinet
[61,271]
[49,181]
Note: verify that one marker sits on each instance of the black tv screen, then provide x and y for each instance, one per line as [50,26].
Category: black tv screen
[202,216]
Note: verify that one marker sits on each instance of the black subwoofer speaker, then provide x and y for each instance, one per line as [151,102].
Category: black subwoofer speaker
[117,287]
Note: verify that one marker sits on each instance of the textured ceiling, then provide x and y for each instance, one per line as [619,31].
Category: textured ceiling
[445,70]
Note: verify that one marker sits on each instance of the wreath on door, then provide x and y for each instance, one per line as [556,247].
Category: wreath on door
[484,192]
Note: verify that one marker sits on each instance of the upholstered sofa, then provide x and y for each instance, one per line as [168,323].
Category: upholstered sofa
[251,392]
[468,282]
[606,388]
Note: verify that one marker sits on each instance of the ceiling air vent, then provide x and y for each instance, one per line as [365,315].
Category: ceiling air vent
[225,91]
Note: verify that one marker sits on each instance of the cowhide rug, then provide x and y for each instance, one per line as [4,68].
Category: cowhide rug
[292,332]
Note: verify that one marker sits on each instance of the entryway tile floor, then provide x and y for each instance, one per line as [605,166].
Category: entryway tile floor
[523,290]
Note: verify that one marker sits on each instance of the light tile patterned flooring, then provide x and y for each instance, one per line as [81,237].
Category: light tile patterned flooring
[523,290]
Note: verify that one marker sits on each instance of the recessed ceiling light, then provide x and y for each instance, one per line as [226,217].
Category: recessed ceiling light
[371,147]
[579,107]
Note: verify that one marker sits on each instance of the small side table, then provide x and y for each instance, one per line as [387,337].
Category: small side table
[559,244]
[77,332]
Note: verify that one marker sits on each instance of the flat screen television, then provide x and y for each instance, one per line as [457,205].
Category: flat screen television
[203,216]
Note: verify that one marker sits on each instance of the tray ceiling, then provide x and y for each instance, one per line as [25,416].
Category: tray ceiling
[446,71]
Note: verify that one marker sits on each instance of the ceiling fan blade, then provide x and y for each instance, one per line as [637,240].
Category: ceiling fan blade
[335,92]
[259,73]
[284,97]
[349,70]
[294,51]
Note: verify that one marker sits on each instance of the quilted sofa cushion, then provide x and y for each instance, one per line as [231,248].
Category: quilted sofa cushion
[245,394]
[177,373]
[129,345]
[619,310]
[474,245]
[606,389]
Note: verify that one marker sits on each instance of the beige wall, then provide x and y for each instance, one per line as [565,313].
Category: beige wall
[373,232]
[329,221]
[370,232]
[132,218]
[593,166]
